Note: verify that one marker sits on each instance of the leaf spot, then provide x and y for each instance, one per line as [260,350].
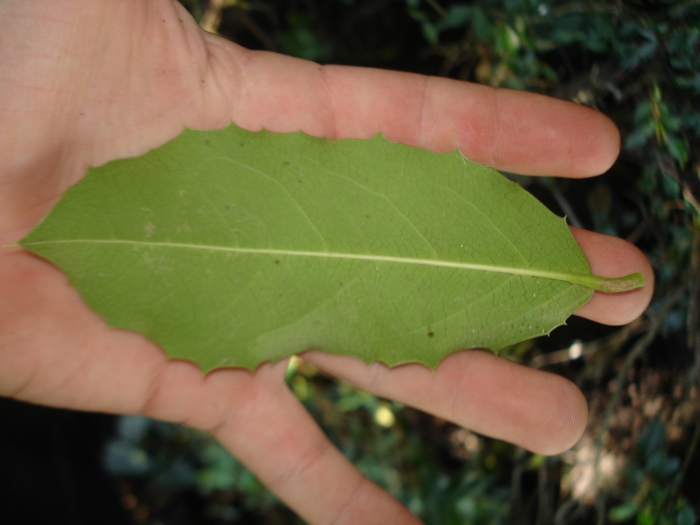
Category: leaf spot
[149,229]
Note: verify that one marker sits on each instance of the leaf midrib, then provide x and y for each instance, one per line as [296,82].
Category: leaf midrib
[574,278]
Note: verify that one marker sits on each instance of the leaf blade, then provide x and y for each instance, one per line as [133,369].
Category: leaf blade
[286,243]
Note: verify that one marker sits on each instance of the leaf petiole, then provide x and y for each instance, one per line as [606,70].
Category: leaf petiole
[609,284]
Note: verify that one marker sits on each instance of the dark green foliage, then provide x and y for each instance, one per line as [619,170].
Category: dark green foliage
[165,463]
[649,496]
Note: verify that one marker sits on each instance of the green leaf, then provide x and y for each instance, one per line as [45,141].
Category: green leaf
[686,514]
[231,248]
[623,512]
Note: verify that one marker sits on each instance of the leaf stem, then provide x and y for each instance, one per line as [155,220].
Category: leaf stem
[609,284]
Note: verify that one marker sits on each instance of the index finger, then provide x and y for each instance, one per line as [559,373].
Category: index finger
[509,130]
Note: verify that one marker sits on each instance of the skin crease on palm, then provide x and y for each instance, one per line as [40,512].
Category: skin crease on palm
[85,82]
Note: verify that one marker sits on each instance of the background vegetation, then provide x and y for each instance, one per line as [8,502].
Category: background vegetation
[638,62]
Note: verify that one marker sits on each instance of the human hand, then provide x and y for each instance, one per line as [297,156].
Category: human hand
[85,82]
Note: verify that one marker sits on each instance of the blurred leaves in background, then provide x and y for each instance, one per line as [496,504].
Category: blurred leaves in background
[638,61]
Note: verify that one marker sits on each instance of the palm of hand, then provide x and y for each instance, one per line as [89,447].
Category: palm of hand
[87,82]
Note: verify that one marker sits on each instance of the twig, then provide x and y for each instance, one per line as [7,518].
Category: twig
[637,350]
[566,208]
[600,510]
[212,16]
[580,350]
[544,499]
[694,310]
[568,511]
[516,498]
[688,456]
[639,230]
[584,7]
[256,31]
[438,8]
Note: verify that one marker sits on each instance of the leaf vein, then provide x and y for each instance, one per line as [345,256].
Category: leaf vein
[486,216]
[378,194]
[573,278]
[287,192]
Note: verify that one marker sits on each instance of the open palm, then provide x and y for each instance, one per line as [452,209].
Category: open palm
[85,82]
